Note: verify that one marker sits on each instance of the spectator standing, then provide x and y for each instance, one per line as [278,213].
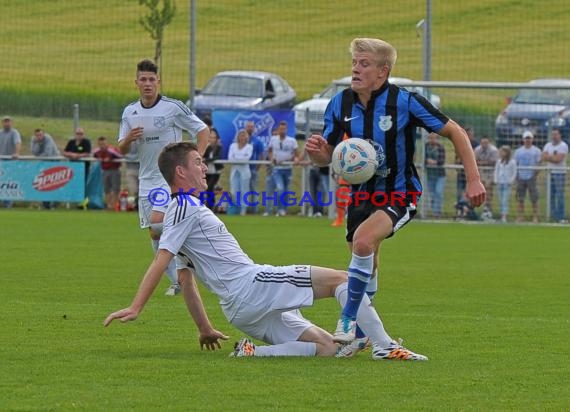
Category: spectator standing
[318,183]
[42,145]
[10,145]
[486,155]
[79,147]
[111,169]
[240,151]
[258,153]
[319,188]
[282,148]
[269,182]
[554,154]
[461,179]
[504,176]
[435,173]
[527,156]
[213,152]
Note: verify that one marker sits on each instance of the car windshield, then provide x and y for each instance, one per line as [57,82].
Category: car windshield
[544,96]
[333,89]
[234,86]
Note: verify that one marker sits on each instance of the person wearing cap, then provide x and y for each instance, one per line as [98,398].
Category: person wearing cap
[554,154]
[526,157]
[10,145]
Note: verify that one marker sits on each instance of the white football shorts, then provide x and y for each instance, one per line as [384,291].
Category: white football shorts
[269,311]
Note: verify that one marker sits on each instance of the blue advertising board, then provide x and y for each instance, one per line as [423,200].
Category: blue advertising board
[40,180]
[228,122]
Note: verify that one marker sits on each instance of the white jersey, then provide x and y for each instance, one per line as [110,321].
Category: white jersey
[193,232]
[163,123]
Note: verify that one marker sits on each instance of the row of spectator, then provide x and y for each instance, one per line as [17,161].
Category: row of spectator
[42,145]
[499,168]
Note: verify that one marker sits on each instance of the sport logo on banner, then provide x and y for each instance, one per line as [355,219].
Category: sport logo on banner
[52,178]
[263,125]
[228,122]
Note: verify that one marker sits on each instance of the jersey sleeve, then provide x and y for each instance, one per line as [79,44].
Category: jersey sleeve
[187,120]
[425,115]
[176,229]
[332,130]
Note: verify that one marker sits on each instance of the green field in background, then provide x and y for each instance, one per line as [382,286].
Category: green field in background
[487,303]
[85,51]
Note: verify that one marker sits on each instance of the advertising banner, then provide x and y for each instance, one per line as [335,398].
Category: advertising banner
[40,180]
[228,122]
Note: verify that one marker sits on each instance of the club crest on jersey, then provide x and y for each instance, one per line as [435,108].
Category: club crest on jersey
[385,123]
[159,122]
[382,170]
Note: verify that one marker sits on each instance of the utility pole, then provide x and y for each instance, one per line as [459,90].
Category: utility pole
[192,42]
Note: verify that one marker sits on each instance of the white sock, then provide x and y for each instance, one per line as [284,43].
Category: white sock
[171,269]
[294,348]
[367,318]
[372,286]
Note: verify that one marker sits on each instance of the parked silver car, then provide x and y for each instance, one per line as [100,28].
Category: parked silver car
[243,90]
[315,107]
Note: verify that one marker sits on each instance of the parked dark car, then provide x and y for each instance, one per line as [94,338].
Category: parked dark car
[536,110]
[246,90]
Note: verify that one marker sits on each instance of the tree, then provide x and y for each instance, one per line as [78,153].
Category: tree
[156,20]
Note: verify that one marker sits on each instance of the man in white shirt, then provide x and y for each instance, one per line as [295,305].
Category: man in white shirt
[152,122]
[260,300]
[527,156]
[282,148]
[554,154]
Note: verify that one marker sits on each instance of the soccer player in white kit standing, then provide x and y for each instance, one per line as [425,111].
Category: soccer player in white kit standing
[260,300]
[154,121]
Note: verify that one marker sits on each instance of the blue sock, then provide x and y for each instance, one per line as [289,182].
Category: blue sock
[359,272]
[370,291]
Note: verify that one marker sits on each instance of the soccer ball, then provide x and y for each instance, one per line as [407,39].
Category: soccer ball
[354,160]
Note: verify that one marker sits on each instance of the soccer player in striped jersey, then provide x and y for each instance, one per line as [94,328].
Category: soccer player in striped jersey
[260,300]
[388,116]
[154,121]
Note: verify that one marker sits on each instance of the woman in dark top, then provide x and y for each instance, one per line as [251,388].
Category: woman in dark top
[213,152]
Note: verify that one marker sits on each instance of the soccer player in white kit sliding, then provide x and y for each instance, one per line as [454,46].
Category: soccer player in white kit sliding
[260,300]
[154,121]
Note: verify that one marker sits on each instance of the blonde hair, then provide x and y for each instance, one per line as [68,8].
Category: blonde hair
[384,52]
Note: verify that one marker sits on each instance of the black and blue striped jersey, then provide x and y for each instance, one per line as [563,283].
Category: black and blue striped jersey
[389,122]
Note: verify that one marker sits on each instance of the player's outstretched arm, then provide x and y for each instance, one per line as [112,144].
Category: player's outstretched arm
[209,337]
[318,150]
[202,139]
[475,190]
[147,286]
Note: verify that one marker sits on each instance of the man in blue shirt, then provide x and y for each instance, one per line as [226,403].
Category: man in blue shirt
[387,115]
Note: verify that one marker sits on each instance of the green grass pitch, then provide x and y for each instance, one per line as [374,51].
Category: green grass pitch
[487,303]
